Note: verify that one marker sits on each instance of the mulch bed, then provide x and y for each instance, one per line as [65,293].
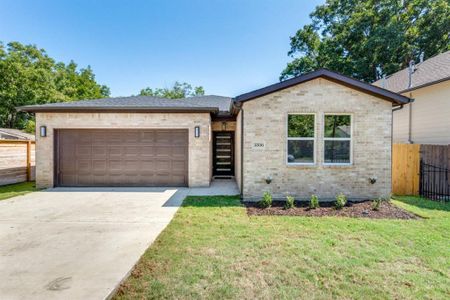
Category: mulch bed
[355,210]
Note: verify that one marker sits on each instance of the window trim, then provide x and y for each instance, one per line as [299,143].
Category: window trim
[338,139]
[314,139]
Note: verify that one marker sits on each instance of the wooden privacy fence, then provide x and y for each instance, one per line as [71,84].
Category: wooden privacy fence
[405,169]
[17,161]
[406,162]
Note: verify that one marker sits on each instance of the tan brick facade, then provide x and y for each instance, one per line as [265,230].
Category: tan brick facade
[199,148]
[265,121]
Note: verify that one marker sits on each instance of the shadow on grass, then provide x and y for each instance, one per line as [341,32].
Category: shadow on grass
[424,203]
[212,201]
[16,189]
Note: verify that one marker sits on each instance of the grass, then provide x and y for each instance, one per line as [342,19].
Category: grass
[12,190]
[212,249]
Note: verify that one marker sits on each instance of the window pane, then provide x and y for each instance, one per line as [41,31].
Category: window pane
[338,126]
[301,125]
[301,151]
[337,152]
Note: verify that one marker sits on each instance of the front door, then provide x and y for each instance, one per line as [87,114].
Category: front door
[223,162]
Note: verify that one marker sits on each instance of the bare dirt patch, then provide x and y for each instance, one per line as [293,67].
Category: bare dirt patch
[352,209]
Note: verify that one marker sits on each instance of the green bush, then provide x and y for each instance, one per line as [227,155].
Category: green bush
[341,200]
[376,203]
[290,202]
[266,201]
[314,202]
[30,126]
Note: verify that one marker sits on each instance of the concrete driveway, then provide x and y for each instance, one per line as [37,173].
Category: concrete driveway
[78,243]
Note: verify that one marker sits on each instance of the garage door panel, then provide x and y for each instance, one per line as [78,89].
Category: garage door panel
[148,137]
[85,179]
[164,151]
[132,137]
[84,166]
[102,157]
[99,151]
[115,151]
[83,150]
[99,166]
[147,166]
[70,180]
[178,151]
[132,151]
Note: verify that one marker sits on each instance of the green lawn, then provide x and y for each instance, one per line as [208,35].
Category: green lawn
[12,190]
[212,249]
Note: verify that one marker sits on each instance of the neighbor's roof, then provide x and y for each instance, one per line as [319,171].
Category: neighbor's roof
[433,70]
[16,134]
[210,103]
[332,76]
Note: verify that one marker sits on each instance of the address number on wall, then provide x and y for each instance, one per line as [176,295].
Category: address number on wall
[259,146]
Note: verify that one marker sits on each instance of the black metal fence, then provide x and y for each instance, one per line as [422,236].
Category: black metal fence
[434,182]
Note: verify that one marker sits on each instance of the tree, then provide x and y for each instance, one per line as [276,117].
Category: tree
[29,76]
[177,91]
[366,39]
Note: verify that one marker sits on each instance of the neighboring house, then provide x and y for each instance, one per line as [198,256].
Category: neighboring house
[15,134]
[320,133]
[426,120]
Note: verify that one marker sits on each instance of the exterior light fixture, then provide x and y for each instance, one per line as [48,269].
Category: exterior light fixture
[43,131]
[197,131]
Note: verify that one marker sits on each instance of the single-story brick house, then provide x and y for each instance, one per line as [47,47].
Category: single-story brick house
[320,133]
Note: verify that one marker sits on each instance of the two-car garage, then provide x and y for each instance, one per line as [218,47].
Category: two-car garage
[121,157]
[136,141]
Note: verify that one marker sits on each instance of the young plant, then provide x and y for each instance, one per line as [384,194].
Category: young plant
[314,202]
[341,200]
[290,202]
[266,201]
[376,204]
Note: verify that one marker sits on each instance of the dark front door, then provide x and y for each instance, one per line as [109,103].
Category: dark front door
[223,153]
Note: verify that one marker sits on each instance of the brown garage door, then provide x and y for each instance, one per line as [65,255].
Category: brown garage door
[99,157]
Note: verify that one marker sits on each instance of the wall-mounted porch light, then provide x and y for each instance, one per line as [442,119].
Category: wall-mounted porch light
[43,131]
[197,131]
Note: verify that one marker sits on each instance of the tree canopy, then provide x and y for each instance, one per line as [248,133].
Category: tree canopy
[177,91]
[367,39]
[29,76]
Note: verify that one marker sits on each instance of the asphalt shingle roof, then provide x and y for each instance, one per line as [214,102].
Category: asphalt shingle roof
[222,104]
[432,70]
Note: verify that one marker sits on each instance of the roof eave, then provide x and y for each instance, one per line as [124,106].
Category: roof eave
[395,98]
[424,85]
[124,109]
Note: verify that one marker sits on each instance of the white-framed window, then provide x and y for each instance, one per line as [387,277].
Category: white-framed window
[301,130]
[337,142]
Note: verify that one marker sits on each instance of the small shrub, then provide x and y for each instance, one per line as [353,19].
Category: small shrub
[30,126]
[376,204]
[314,202]
[341,200]
[290,202]
[266,201]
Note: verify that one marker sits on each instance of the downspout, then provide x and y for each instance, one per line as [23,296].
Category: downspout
[242,152]
[410,121]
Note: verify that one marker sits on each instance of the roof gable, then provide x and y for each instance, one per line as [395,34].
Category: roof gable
[376,91]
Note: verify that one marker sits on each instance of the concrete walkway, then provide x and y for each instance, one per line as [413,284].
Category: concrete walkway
[79,243]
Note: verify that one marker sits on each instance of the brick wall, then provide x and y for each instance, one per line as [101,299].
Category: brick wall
[199,148]
[266,121]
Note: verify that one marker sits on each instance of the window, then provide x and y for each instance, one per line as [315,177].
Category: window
[337,139]
[300,141]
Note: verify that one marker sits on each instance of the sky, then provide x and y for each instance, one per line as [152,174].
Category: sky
[229,46]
